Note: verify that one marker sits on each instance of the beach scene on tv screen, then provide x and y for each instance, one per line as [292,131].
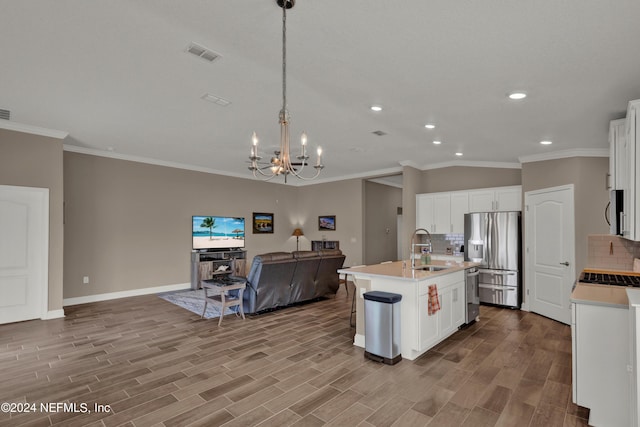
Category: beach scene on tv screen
[217,232]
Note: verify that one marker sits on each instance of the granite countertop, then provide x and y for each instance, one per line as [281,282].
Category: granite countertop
[394,270]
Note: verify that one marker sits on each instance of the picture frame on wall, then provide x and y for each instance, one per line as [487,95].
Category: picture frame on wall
[262,223]
[327,222]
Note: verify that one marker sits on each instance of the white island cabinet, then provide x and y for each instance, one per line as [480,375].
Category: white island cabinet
[419,330]
[601,363]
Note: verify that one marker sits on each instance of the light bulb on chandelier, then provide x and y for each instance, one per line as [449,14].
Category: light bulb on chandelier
[281,163]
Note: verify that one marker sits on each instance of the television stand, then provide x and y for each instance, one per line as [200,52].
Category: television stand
[205,265]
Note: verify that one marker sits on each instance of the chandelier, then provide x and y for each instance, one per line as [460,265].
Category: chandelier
[281,163]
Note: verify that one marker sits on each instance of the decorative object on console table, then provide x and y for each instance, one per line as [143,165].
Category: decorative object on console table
[297,232]
[262,223]
[327,222]
[318,245]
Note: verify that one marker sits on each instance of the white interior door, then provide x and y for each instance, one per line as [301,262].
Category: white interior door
[24,227]
[550,252]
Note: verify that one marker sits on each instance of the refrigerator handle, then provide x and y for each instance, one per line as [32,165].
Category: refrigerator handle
[498,272]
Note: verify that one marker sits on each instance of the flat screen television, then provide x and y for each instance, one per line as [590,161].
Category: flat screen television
[217,232]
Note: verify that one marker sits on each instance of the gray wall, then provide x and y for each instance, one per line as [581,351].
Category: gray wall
[36,161]
[345,200]
[128,224]
[468,178]
[587,174]
[381,222]
[411,185]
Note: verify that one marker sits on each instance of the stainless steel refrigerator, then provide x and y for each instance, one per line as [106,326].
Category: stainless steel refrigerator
[493,240]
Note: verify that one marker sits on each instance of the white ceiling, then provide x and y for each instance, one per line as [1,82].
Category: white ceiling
[116,74]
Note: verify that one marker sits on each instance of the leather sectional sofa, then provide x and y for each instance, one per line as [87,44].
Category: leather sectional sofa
[279,279]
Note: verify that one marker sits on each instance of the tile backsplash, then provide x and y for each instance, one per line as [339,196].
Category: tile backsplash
[611,252]
[440,243]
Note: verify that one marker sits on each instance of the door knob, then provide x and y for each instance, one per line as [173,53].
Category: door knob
[565,263]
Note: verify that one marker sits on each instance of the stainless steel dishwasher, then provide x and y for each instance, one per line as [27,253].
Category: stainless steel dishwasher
[471,276]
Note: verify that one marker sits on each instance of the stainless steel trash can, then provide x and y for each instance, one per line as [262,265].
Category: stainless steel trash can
[382,327]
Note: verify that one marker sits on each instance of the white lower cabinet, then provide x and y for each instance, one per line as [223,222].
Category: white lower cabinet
[435,328]
[600,362]
[428,328]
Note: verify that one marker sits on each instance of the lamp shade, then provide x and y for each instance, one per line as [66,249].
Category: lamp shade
[297,232]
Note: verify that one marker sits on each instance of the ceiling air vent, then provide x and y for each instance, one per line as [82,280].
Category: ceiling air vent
[379,133]
[202,52]
[215,99]
[5,114]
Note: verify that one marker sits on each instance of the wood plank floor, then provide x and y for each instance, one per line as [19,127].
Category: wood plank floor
[156,364]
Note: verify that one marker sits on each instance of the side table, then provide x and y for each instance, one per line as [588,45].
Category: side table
[216,291]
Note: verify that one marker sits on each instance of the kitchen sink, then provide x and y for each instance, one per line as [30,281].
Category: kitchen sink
[430,267]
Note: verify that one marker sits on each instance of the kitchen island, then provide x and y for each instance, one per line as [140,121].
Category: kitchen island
[419,331]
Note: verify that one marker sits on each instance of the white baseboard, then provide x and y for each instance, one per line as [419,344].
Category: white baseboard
[358,340]
[53,314]
[125,294]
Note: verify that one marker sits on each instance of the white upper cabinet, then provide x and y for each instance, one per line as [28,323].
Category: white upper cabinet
[433,212]
[459,207]
[442,213]
[631,217]
[496,199]
[618,159]
[481,201]
[424,211]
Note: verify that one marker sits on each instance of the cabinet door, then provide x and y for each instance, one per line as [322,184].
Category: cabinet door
[441,213]
[618,161]
[427,325]
[631,218]
[481,201]
[459,305]
[508,199]
[602,334]
[459,207]
[446,312]
[424,211]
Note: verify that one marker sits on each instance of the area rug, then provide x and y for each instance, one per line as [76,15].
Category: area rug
[193,301]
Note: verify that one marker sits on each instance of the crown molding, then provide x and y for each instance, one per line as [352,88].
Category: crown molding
[140,159]
[364,175]
[472,164]
[581,152]
[292,183]
[33,130]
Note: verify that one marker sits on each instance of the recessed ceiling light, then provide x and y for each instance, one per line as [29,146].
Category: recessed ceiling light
[546,142]
[437,142]
[458,154]
[376,108]
[430,126]
[517,95]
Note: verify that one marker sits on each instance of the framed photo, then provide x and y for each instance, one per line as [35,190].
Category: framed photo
[262,223]
[327,222]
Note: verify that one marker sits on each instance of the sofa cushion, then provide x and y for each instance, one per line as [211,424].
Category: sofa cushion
[303,286]
[305,254]
[275,256]
[330,252]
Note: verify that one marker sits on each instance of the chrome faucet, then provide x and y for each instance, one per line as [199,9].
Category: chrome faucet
[413,236]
